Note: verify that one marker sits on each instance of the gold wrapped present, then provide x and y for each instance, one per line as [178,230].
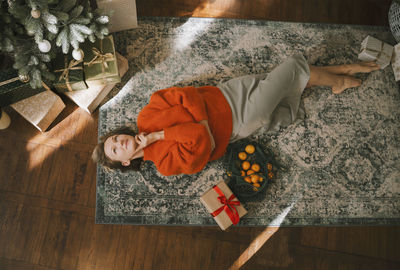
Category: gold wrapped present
[90,99]
[69,74]
[373,49]
[100,62]
[41,109]
[223,205]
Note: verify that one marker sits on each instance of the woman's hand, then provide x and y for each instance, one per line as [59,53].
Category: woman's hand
[205,123]
[144,139]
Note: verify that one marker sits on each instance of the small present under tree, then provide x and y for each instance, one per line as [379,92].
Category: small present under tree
[33,32]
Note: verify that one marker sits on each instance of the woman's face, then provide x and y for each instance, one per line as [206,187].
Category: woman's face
[122,148]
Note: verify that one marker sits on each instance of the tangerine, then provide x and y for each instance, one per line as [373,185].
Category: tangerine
[255,167]
[256,185]
[247,179]
[269,166]
[250,172]
[242,155]
[250,149]
[245,165]
[242,173]
[254,178]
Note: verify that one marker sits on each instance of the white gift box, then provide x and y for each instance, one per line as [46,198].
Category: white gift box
[396,62]
[41,109]
[89,99]
[373,49]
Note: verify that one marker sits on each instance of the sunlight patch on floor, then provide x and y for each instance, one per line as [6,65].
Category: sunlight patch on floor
[182,38]
[41,146]
[189,32]
[214,8]
[261,239]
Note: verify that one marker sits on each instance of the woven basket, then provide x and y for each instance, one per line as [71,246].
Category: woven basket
[394,19]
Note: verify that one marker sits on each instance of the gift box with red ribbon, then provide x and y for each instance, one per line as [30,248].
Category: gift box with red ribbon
[223,205]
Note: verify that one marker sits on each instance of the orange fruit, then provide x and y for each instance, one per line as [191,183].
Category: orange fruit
[255,167]
[245,165]
[250,149]
[250,172]
[255,189]
[242,155]
[247,179]
[261,179]
[256,184]
[242,173]
[269,166]
[271,175]
[254,178]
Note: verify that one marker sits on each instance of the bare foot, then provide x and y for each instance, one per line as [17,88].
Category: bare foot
[361,67]
[345,82]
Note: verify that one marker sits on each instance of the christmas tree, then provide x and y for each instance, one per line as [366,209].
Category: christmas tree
[33,32]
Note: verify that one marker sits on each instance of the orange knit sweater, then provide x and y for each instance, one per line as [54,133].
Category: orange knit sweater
[186,147]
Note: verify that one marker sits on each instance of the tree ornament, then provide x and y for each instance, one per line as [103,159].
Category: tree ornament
[35,13]
[44,46]
[77,54]
[23,78]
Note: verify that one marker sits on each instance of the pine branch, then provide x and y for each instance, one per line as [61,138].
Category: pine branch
[63,23]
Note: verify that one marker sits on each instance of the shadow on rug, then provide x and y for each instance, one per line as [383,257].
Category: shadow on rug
[342,162]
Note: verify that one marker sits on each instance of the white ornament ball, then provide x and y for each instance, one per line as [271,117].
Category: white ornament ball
[24,78]
[35,13]
[44,46]
[77,54]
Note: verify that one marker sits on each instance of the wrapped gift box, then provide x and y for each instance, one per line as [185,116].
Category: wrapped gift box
[41,109]
[223,205]
[89,99]
[124,16]
[100,62]
[373,49]
[396,62]
[12,89]
[69,74]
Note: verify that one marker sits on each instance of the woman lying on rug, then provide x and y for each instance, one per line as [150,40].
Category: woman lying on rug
[182,129]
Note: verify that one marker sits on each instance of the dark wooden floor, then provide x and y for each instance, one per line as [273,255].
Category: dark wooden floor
[47,186]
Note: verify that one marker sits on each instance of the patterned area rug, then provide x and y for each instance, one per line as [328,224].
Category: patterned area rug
[342,161]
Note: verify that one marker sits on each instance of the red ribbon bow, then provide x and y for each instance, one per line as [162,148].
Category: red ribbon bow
[228,206]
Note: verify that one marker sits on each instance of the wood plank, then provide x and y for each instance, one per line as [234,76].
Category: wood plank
[314,11]
[11,213]
[31,234]
[7,264]
[326,259]
[363,241]
[54,246]
[74,238]
[98,246]
[143,238]
[127,246]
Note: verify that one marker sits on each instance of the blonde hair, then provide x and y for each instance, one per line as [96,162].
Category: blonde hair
[99,156]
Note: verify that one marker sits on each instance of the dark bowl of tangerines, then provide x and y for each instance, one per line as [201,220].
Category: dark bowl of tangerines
[250,168]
